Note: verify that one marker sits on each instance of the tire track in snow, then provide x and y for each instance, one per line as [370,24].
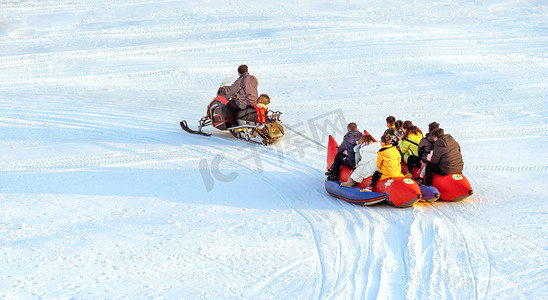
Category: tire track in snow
[382,256]
[371,288]
[88,122]
[498,284]
[420,255]
[474,257]
[353,65]
[160,31]
[341,235]
[427,258]
[24,7]
[347,229]
[533,131]
[68,122]
[503,168]
[109,159]
[272,161]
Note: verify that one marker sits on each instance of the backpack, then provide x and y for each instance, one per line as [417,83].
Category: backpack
[218,112]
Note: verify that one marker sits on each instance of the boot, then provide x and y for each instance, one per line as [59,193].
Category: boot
[332,178]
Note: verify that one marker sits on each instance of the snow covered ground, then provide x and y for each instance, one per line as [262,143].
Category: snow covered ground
[102,195]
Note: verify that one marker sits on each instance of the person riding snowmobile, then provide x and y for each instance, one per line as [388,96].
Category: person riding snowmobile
[241,94]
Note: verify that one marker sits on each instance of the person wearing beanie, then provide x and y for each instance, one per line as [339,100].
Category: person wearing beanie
[427,142]
[433,126]
[425,148]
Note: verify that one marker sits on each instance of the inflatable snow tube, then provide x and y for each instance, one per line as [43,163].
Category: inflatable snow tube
[400,192]
[429,193]
[405,170]
[352,194]
[453,187]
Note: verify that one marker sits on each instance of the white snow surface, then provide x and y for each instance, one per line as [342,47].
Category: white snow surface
[102,195]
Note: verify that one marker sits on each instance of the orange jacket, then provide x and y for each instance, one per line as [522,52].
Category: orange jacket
[389,162]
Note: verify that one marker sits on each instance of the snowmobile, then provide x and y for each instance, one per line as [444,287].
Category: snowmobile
[256,123]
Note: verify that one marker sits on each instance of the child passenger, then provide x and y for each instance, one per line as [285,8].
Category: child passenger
[399,130]
[388,162]
[391,124]
[366,158]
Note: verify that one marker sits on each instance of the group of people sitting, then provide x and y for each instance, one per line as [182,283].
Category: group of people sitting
[435,152]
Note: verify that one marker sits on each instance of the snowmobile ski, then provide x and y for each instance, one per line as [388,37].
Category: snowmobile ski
[185,127]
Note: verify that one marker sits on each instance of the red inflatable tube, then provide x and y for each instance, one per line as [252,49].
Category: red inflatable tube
[453,187]
[402,192]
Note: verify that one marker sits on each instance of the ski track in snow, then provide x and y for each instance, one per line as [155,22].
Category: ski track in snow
[306,59]
[77,122]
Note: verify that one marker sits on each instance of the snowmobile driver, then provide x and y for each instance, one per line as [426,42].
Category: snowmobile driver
[241,94]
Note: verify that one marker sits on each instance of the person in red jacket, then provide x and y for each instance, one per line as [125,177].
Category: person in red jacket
[446,156]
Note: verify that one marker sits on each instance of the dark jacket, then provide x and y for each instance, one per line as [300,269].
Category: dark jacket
[348,144]
[447,155]
[245,89]
[425,146]
[392,132]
